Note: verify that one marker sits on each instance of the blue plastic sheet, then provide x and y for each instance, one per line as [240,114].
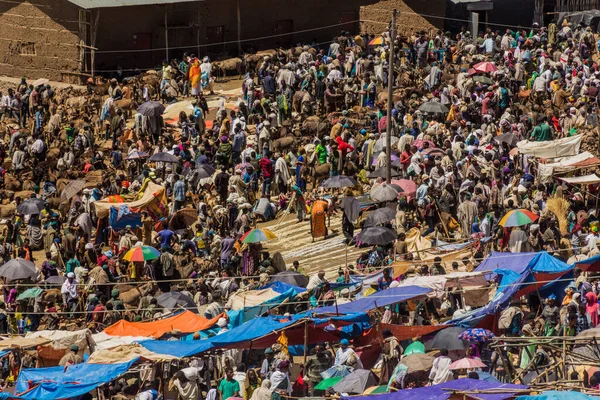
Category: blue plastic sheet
[119,218]
[509,286]
[282,287]
[76,380]
[558,395]
[444,390]
[178,348]
[251,330]
[379,299]
[540,262]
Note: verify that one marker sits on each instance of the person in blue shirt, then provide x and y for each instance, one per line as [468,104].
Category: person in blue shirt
[179,191]
[39,119]
[384,281]
[166,236]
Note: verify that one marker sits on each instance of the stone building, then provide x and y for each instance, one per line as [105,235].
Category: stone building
[70,40]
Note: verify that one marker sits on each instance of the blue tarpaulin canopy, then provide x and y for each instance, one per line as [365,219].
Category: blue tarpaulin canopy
[251,330]
[510,284]
[558,395]
[444,390]
[119,218]
[592,264]
[379,299]
[282,287]
[178,348]
[61,383]
[540,262]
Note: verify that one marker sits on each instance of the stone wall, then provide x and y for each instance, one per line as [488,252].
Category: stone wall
[39,40]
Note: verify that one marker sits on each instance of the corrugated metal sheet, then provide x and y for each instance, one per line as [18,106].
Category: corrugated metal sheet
[89,4]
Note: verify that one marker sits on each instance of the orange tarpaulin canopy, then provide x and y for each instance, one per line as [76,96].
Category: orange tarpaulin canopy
[186,322]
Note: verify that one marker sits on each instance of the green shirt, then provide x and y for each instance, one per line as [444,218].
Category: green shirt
[72,264]
[541,133]
[228,388]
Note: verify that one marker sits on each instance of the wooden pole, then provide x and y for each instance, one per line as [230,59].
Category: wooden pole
[94,33]
[388,120]
[239,27]
[564,359]
[305,342]
[166,34]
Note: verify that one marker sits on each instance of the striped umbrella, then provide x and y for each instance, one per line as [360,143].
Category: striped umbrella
[518,218]
[71,190]
[141,253]
[258,235]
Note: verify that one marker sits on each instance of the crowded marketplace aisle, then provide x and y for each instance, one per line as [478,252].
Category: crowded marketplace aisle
[186,234]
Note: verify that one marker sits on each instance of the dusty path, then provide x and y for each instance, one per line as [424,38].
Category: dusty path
[295,244]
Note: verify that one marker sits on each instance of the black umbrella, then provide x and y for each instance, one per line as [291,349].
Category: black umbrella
[433,107]
[31,206]
[291,278]
[18,268]
[376,235]
[151,109]
[175,300]
[380,173]
[205,170]
[447,339]
[339,181]
[381,216]
[356,382]
[164,157]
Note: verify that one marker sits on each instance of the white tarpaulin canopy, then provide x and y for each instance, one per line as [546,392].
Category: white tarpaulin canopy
[568,146]
[64,339]
[104,341]
[582,180]
[438,283]
[152,192]
[251,298]
[561,164]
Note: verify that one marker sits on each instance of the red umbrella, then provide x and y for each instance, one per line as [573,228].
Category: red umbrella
[419,143]
[485,66]
[408,186]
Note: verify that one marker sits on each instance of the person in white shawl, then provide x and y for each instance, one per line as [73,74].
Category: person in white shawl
[345,355]
[264,392]
[280,379]
[440,370]
[282,173]
[517,239]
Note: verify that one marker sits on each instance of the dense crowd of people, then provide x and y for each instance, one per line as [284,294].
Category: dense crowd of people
[461,103]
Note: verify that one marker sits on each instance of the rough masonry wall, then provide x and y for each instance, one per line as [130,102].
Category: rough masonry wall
[39,40]
[377,15]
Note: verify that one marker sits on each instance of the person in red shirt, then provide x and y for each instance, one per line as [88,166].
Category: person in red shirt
[98,313]
[344,148]
[405,157]
[266,170]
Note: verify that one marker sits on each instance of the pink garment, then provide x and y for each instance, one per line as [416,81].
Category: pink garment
[591,307]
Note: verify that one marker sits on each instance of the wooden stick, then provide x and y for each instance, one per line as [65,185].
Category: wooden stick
[305,342]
